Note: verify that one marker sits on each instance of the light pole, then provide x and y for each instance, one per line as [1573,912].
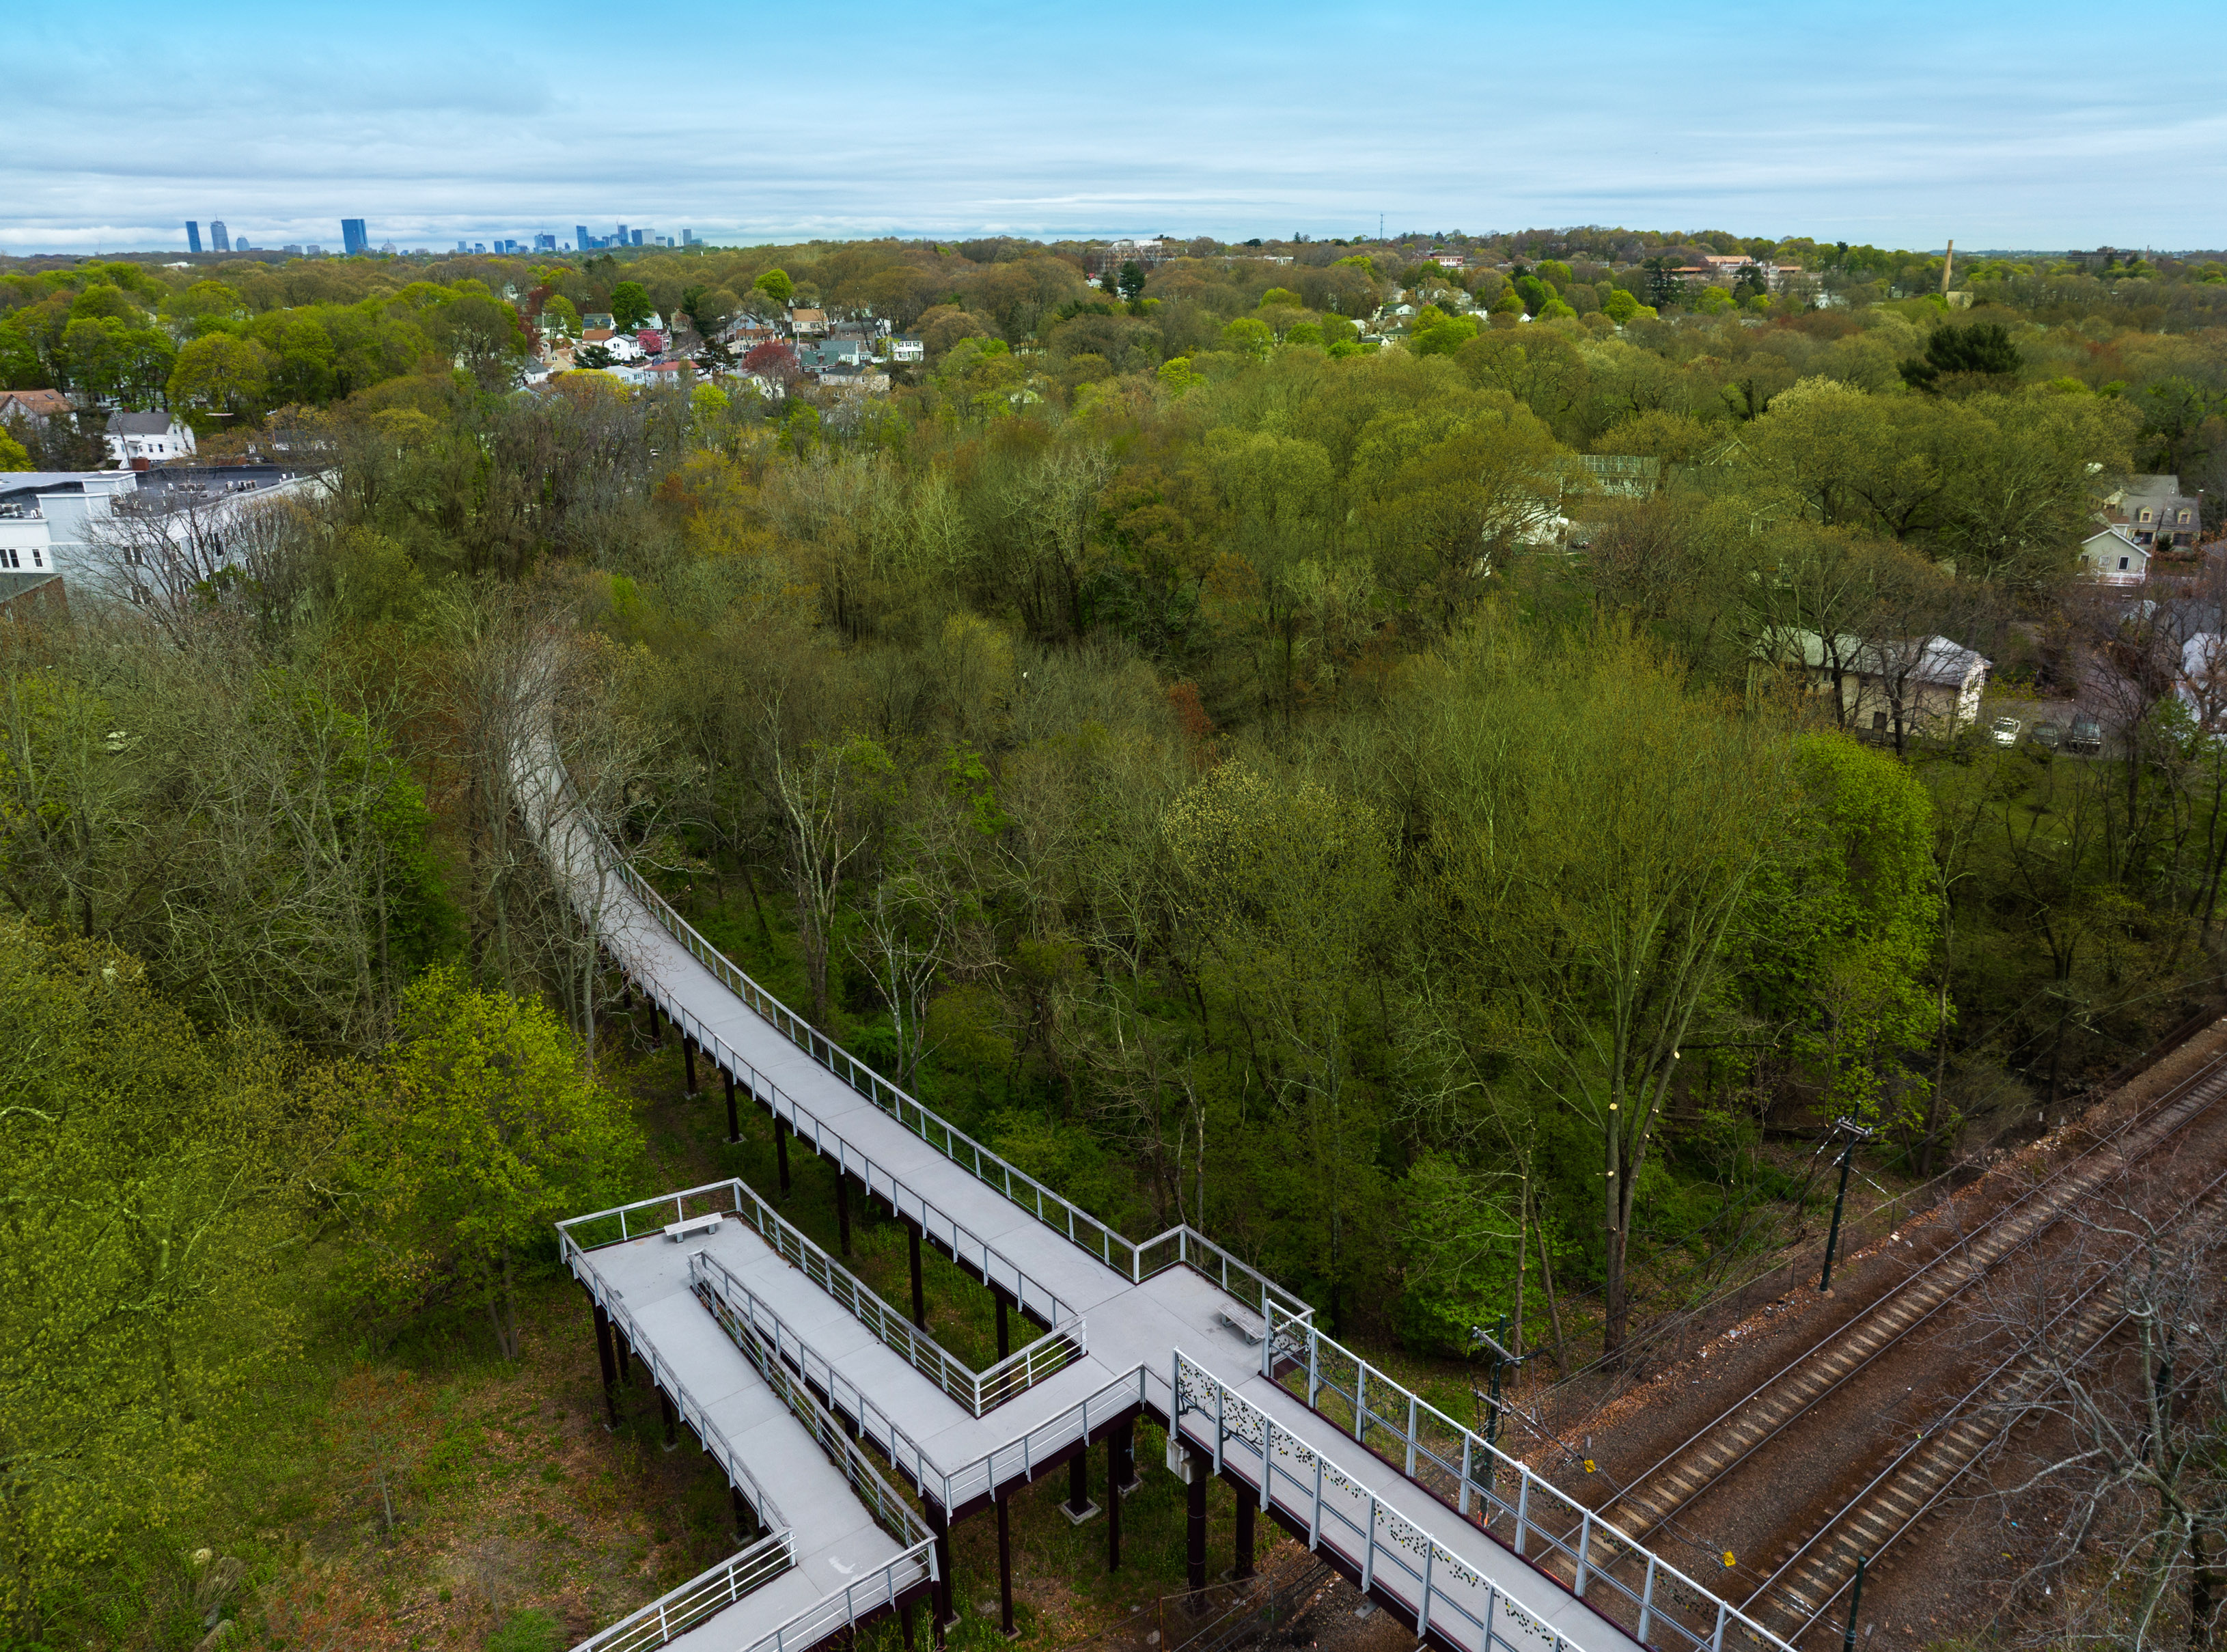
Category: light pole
[1857,1134]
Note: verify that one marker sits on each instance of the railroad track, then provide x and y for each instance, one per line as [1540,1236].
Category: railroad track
[1657,1496]
[1805,1586]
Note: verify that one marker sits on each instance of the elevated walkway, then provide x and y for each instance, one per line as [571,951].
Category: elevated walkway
[1474,1550]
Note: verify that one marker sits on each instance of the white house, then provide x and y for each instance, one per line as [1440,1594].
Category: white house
[1930,685]
[126,532]
[138,440]
[906,348]
[2109,558]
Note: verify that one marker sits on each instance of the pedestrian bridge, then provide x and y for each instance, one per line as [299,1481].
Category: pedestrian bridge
[852,1441]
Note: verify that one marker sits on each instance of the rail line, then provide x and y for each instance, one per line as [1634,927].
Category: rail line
[1659,1494]
[1805,1586]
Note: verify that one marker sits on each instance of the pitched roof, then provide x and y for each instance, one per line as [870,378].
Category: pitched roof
[139,423]
[39,403]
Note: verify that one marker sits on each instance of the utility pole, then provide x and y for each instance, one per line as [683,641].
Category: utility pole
[1855,1601]
[1856,1133]
[1948,264]
[1501,1359]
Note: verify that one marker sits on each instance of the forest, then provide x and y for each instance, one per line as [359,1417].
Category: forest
[1226,744]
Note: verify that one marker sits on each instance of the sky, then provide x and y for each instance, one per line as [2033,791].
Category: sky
[2041,124]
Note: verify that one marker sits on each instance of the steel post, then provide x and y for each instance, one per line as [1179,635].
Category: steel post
[664,1410]
[1006,1567]
[904,1624]
[734,1125]
[919,1301]
[1115,1444]
[1856,1603]
[1003,1335]
[843,1209]
[1195,1551]
[781,1150]
[746,1520]
[608,1361]
[688,1064]
[1244,1567]
[1078,1507]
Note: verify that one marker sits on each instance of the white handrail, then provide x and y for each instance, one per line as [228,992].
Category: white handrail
[1436,1588]
[979,1391]
[1478,1468]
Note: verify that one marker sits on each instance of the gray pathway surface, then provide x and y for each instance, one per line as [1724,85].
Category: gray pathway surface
[1133,1329]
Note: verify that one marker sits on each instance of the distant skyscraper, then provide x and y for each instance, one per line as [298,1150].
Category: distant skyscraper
[544,243]
[580,237]
[193,236]
[353,239]
[218,238]
[638,234]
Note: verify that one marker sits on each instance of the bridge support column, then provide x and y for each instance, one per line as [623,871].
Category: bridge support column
[1195,1551]
[939,1612]
[626,1357]
[1006,1567]
[734,1125]
[1117,1444]
[919,1301]
[656,1032]
[1244,1507]
[904,1624]
[746,1519]
[1078,1507]
[664,1410]
[843,1209]
[1121,1477]
[780,1152]
[688,1064]
[609,1362]
[1005,1337]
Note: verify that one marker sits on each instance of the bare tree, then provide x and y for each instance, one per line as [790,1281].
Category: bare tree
[2134,1425]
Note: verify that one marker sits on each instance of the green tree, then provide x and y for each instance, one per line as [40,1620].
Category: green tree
[222,373]
[775,285]
[153,1209]
[1129,283]
[631,306]
[478,1132]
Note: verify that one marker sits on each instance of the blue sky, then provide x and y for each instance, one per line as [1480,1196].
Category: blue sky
[2036,124]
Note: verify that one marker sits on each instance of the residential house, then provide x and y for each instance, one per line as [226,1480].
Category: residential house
[1449,260]
[856,382]
[2113,557]
[834,352]
[1621,475]
[2153,511]
[1928,684]
[134,533]
[598,319]
[138,440]
[907,347]
[808,324]
[32,406]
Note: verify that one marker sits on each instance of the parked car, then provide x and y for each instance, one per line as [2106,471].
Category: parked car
[2046,736]
[2085,737]
[2007,730]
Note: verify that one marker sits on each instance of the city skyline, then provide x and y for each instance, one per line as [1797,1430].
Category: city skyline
[1890,123]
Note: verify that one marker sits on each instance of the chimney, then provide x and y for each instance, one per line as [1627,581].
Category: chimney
[1948,264]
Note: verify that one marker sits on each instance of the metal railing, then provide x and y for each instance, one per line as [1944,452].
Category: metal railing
[979,1391]
[1435,1586]
[1630,1584]
[701,1597]
[691,1411]
[1183,1245]
[770,1341]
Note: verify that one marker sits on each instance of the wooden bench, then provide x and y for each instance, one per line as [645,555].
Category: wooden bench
[680,1230]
